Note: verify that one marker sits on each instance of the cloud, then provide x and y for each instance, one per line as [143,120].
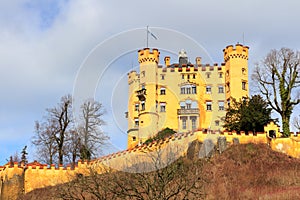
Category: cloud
[43,43]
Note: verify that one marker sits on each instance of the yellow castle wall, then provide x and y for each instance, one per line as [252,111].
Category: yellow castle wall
[38,177]
[153,77]
[289,146]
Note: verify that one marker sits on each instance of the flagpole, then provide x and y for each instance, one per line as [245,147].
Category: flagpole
[147,36]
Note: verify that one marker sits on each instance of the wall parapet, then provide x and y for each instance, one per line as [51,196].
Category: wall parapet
[37,175]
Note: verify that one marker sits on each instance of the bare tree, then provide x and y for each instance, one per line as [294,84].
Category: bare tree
[61,116]
[14,158]
[296,123]
[51,134]
[57,138]
[92,137]
[73,147]
[44,141]
[182,179]
[278,79]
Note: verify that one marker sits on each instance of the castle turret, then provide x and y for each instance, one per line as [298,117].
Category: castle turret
[144,103]
[236,71]
[133,108]
[148,116]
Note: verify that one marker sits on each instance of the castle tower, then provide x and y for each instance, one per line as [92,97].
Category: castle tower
[236,72]
[142,112]
[148,116]
[133,108]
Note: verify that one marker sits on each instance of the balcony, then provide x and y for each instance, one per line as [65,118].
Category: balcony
[141,94]
[188,111]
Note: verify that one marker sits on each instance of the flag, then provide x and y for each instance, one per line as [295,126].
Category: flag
[149,32]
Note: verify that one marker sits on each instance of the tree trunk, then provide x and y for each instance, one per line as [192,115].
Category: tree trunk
[286,125]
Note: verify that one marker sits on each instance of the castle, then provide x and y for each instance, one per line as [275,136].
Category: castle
[189,98]
[183,96]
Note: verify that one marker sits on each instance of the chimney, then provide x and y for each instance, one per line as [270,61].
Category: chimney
[198,61]
[167,60]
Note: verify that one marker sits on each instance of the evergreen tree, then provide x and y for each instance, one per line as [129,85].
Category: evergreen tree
[248,115]
[24,155]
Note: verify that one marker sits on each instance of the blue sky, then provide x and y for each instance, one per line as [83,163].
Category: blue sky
[46,11]
[44,43]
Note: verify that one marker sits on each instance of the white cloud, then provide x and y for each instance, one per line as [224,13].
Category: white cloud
[43,44]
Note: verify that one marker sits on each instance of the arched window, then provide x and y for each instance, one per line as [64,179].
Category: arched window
[188,104]
[188,89]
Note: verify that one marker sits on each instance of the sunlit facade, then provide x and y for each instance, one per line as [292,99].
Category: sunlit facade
[183,96]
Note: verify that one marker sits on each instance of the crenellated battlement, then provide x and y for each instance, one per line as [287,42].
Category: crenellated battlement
[239,51]
[147,56]
[132,76]
[191,68]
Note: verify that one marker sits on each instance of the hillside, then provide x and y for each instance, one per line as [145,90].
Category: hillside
[242,172]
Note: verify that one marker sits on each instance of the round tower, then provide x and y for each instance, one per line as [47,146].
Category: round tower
[147,93]
[133,109]
[236,71]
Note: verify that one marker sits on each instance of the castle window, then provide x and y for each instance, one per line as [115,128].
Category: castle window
[209,105]
[136,122]
[227,73]
[136,107]
[221,89]
[194,90]
[221,105]
[208,89]
[188,90]
[221,75]
[184,123]
[162,77]
[217,123]
[162,107]
[194,120]
[188,76]
[182,90]
[143,105]
[162,91]
[188,106]
[143,86]
[182,105]
[143,74]
[133,138]
[182,76]
[207,75]
[244,85]
[194,76]
[243,71]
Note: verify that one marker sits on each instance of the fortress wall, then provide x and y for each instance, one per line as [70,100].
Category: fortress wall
[36,177]
[144,158]
[16,179]
[289,146]
[43,176]
[12,181]
[243,138]
[260,137]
